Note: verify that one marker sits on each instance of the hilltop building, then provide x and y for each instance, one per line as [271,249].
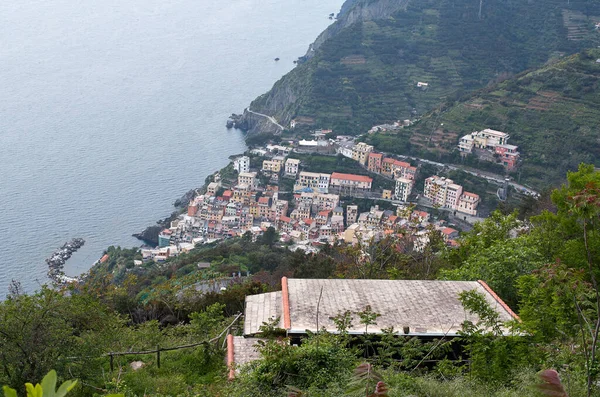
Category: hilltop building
[494,142]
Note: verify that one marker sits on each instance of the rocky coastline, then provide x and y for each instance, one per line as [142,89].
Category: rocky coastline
[150,234]
[56,261]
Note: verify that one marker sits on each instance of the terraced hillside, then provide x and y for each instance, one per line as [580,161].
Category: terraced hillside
[551,113]
[368,73]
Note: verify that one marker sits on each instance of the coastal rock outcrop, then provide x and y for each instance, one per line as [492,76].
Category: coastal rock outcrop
[150,234]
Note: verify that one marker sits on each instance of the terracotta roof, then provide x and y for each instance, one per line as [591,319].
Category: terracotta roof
[351,177]
[227,193]
[469,194]
[167,231]
[285,219]
[308,221]
[448,230]
[421,214]
[373,154]
[324,213]
[396,162]
[263,200]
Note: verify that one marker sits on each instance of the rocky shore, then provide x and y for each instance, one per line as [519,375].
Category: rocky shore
[150,234]
[56,262]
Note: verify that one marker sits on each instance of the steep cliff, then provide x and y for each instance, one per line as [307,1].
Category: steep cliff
[357,11]
[281,100]
[364,69]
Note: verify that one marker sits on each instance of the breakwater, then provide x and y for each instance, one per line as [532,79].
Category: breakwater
[56,262]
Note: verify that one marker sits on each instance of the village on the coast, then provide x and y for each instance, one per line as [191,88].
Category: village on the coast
[268,188]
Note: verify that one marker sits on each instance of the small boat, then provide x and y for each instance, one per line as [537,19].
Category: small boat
[276,59]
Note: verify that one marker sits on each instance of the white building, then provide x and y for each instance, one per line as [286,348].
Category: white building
[242,164]
[291,167]
[485,139]
[403,189]
[442,191]
[465,144]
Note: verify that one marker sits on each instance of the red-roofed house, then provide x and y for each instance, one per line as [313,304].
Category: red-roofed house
[350,181]
[227,195]
[307,226]
[449,234]
[420,216]
[286,224]
[394,168]
[264,206]
[322,218]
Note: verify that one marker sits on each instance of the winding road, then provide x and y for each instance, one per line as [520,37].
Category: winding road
[270,118]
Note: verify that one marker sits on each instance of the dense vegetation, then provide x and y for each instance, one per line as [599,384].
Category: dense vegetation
[367,74]
[551,113]
[545,267]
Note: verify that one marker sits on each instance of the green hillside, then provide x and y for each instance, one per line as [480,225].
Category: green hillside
[367,74]
[551,113]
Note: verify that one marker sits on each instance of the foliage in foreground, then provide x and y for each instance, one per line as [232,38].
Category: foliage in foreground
[546,266]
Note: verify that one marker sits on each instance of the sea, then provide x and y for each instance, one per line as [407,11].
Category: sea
[111,110]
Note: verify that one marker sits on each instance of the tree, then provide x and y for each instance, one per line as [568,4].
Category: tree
[38,332]
[500,266]
[270,236]
[571,237]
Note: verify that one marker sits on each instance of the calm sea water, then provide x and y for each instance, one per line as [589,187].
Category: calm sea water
[110,110]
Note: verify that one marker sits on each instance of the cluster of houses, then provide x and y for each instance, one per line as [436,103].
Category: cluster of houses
[402,172]
[493,142]
[311,215]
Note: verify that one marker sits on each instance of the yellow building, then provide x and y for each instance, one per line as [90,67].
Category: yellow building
[360,152]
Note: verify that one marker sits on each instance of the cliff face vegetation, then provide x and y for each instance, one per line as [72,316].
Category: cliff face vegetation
[551,113]
[365,68]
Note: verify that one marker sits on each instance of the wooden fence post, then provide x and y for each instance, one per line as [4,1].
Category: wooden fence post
[158,356]
[111,363]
